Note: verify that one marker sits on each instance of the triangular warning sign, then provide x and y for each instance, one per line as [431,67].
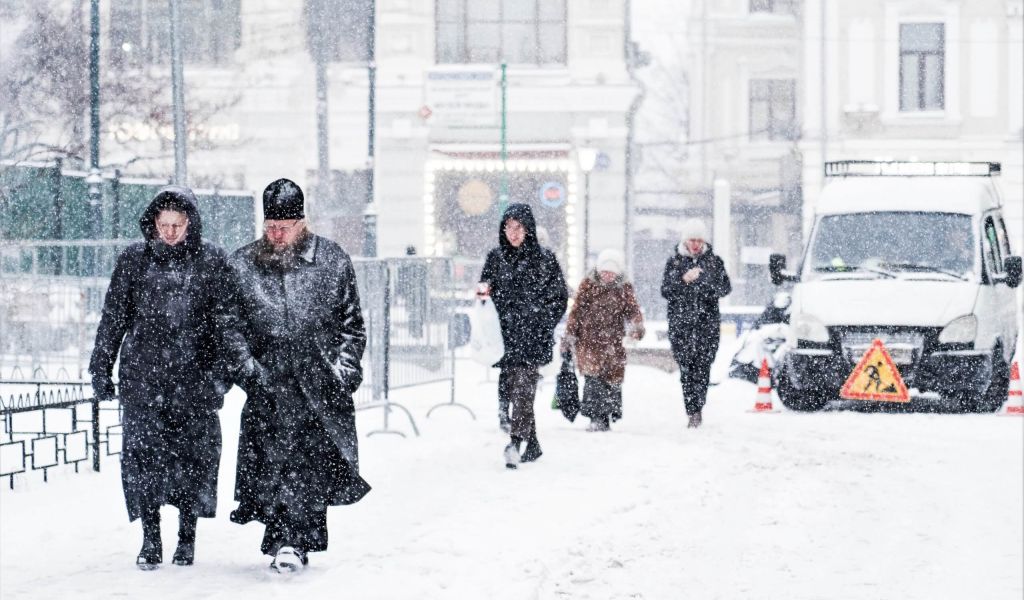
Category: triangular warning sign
[875,378]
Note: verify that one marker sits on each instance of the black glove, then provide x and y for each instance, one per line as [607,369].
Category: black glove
[103,387]
[220,386]
[216,383]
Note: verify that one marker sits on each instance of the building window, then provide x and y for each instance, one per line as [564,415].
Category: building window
[140,31]
[922,62]
[493,31]
[779,7]
[343,27]
[773,109]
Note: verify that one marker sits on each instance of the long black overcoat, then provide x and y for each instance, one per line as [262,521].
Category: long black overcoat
[297,325]
[528,290]
[159,315]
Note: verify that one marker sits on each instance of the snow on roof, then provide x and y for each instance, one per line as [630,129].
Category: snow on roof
[967,195]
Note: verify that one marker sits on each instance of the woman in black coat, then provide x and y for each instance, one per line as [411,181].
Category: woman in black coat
[694,281]
[529,292]
[159,314]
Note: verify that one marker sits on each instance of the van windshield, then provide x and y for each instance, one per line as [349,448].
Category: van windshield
[893,244]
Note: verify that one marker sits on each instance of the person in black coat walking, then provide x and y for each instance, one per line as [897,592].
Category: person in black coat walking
[694,281]
[160,315]
[529,292]
[295,335]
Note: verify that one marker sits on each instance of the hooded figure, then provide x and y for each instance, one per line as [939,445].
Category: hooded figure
[604,309]
[160,315]
[529,292]
[295,336]
[694,281]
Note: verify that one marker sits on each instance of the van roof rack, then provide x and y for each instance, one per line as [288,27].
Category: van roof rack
[897,168]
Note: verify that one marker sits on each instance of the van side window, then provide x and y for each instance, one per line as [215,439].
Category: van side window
[991,247]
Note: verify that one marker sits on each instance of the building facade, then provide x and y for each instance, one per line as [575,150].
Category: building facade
[732,157]
[915,80]
[777,87]
[456,136]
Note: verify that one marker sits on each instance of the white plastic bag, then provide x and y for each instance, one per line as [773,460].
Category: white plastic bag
[486,345]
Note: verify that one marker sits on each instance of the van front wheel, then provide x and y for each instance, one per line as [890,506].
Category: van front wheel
[801,400]
[997,390]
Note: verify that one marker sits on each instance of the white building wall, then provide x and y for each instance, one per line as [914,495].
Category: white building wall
[583,102]
[981,119]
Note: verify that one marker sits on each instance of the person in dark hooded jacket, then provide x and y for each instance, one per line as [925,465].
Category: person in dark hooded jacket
[295,335]
[526,285]
[694,281]
[159,313]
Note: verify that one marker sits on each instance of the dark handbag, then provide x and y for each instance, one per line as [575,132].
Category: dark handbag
[567,388]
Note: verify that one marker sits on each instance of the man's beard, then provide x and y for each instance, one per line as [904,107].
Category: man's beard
[282,258]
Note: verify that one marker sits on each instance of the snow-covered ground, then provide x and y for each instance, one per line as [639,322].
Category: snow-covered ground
[839,504]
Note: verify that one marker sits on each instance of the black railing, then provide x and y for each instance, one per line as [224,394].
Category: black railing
[408,307]
[51,423]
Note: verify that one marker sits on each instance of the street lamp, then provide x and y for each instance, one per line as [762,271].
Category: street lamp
[587,158]
[94,180]
[178,97]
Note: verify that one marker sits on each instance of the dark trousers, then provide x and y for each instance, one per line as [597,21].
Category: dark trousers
[602,401]
[504,403]
[694,354]
[517,385]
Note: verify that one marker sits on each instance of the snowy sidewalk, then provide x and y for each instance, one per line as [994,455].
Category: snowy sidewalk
[838,504]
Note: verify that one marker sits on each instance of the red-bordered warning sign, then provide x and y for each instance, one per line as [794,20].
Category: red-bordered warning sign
[875,378]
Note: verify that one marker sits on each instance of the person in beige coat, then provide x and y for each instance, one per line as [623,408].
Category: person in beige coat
[604,312]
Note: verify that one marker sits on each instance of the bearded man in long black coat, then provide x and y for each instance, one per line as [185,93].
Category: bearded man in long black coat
[160,315]
[526,284]
[296,337]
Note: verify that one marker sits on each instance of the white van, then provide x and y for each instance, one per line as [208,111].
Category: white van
[915,254]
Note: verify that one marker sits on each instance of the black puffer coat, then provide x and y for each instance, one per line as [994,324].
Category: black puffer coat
[296,334]
[160,316]
[528,290]
[693,308]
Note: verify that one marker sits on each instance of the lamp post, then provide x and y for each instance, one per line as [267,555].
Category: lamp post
[370,210]
[94,179]
[503,194]
[178,97]
[587,158]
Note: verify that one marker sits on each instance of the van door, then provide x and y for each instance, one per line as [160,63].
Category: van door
[1007,295]
[996,314]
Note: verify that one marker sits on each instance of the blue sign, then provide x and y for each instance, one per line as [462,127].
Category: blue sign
[552,194]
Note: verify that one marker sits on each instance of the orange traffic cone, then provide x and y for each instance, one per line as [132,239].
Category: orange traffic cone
[763,400]
[1015,396]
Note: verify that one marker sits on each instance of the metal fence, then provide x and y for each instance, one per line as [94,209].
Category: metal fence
[51,298]
[48,423]
[50,202]
[423,327]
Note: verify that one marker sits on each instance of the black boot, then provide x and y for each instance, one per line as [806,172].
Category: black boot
[152,553]
[532,451]
[185,553]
